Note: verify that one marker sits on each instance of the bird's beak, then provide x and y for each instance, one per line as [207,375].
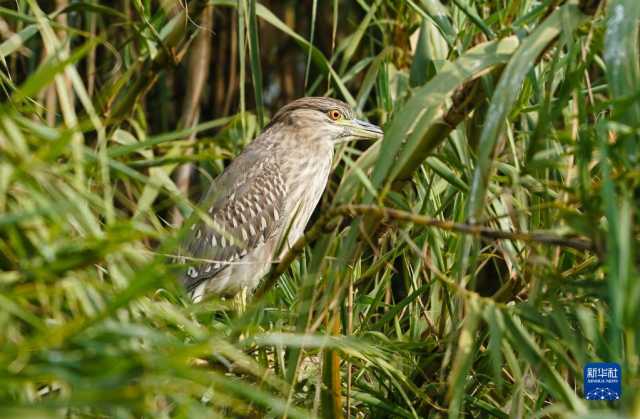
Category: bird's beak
[362,130]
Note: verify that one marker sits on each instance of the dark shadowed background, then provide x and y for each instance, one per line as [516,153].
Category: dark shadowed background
[468,265]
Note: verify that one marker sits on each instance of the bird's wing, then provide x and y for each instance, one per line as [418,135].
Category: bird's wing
[246,204]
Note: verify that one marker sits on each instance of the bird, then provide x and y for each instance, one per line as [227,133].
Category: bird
[261,203]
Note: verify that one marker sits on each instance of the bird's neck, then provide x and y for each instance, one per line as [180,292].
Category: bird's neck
[306,162]
[308,167]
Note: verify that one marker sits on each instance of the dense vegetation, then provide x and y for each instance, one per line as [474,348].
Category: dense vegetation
[469,264]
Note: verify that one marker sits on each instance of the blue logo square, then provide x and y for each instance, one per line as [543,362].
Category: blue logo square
[602,381]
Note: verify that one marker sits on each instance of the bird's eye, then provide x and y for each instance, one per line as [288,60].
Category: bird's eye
[335,114]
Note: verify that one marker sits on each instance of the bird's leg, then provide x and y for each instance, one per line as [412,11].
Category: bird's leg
[240,300]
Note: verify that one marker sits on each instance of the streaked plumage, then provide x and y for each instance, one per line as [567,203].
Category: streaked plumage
[263,200]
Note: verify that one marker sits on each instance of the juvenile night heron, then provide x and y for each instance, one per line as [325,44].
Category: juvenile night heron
[261,203]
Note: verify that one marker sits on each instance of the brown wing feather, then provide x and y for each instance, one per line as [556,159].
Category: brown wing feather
[246,205]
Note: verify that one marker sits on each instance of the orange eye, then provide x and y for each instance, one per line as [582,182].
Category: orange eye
[335,114]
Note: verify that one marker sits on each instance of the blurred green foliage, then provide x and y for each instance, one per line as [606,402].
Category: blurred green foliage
[520,116]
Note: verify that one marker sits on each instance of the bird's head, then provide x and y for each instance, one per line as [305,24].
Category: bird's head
[326,119]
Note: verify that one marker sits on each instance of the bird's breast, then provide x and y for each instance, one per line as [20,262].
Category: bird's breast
[308,181]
